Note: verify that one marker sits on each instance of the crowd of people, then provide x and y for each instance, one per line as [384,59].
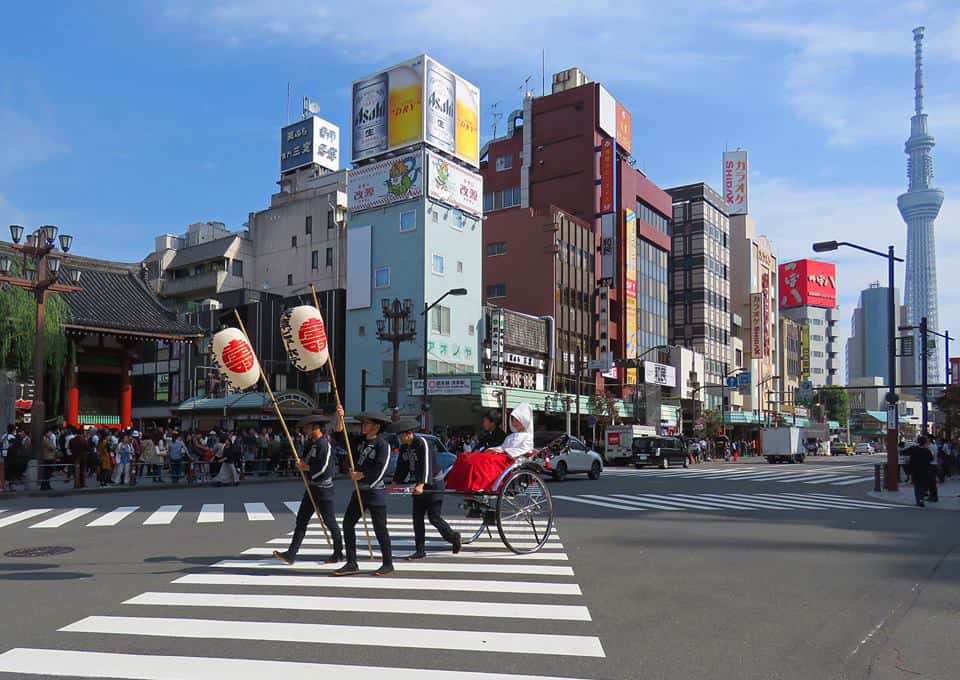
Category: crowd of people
[113,456]
[926,462]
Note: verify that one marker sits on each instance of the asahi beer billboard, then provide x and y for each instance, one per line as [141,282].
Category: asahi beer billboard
[419,100]
[381,184]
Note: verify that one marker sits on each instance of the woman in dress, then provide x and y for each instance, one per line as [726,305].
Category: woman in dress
[477,471]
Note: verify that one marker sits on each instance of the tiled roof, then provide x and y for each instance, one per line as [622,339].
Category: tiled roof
[202,252]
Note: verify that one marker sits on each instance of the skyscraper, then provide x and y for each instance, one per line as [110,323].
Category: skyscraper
[919,208]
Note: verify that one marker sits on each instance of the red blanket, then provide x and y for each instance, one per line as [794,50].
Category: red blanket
[477,471]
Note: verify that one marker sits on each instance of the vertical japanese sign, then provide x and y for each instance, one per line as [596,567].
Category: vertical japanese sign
[630,289]
[735,181]
[805,350]
[607,157]
[624,128]
[765,291]
[757,323]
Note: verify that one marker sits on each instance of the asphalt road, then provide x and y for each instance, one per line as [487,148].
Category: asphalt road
[720,571]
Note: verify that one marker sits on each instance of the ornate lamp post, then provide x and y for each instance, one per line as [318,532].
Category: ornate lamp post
[41,267]
[395,327]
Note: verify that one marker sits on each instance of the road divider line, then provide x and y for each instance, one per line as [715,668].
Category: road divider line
[114,517]
[498,610]
[319,633]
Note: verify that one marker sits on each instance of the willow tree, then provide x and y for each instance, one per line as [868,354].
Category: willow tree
[18,330]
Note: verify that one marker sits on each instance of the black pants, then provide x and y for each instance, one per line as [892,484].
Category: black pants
[931,484]
[378,513]
[919,487]
[429,505]
[325,506]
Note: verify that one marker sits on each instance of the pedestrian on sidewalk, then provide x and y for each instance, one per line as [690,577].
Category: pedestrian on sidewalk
[121,472]
[48,453]
[176,455]
[920,459]
[79,450]
[105,462]
[6,443]
[317,461]
[417,458]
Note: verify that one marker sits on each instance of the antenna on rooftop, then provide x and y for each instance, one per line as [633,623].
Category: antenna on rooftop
[496,115]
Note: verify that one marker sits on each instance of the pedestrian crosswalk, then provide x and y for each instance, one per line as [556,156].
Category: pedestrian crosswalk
[722,502]
[834,475]
[484,614]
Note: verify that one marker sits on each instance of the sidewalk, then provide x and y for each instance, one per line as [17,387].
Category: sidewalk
[948,493]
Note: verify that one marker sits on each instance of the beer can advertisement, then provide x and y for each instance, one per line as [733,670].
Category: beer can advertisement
[419,100]
[235,358]
[304,337]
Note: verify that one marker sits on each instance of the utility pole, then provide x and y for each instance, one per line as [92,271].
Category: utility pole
[924,359]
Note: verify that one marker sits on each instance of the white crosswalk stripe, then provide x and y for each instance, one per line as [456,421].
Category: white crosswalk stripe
[257,512]
[716,502]
[210,512]
[465,554]
[442,609]
[114,517]
[164,515]
[21,516]
[61,519]
[834,475]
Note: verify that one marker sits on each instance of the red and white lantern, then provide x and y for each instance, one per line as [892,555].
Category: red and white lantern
[305,337]
[236,359]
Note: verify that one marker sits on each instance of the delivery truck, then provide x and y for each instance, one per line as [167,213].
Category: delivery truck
[618,442]
[782,444]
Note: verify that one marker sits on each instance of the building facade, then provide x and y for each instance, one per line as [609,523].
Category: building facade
[790,370]
[700,279]
[808,295]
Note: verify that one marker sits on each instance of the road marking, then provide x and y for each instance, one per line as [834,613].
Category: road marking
[474,567]
[738,504]
[468,555]
[855,480]
[859,503]
[778,499]
[501,610]
[367,583]
[210,512]
[60,520]
[404,533]
[642,503]
[157,667]
[22,515]
[431,541]
[318,633]
[691,501]
[577,499]
[114,517]
[163,515]
[834,502]
[293,506]
[257,512]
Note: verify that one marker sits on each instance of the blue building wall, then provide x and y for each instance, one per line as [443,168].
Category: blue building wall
[875,341]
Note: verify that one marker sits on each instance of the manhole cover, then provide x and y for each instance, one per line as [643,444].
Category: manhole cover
[42,551]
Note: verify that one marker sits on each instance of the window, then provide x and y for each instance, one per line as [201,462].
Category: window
[408,220]
[496,290]
[293,241]
[329,257]
[308,227]
[381,277]
[497,248]
[238,268]
[459,267]
[331,220]
[361,331]
[440,320]
[315,259]
[289,279]
[488,201]
[504,162]
[438,264]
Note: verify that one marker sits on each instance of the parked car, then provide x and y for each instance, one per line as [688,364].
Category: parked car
[661,451]
[863,448]
[444,458]
[841,449]
[569,455]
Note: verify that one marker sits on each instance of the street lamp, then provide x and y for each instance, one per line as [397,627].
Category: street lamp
[893,457]
[760,394]
[424,403]
[396,327]
[40,265]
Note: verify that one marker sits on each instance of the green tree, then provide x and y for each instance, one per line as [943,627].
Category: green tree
[835,402]
[949,406]
[712,423]
[18,328]
[603,405]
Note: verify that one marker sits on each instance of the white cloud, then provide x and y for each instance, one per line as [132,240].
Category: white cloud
[26,141]
[794,216]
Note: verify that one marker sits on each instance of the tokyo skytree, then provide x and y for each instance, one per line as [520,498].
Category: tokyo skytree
[919,208]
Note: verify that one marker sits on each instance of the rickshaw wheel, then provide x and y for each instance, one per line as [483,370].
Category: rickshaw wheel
[524,512]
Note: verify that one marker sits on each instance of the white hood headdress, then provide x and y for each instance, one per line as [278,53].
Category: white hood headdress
[519,443]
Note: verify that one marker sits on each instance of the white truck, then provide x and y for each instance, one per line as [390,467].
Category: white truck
[618,442]
[782,444]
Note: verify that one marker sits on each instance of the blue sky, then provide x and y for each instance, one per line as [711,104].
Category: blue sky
[119,121]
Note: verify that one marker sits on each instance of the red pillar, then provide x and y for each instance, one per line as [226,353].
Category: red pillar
[71,380]
[126,392]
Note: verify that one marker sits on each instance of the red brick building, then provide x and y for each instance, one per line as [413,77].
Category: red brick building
[543,205]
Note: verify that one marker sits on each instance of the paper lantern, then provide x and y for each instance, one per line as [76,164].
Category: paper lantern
[305,337]
[236,359]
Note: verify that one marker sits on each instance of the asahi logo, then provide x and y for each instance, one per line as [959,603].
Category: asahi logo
[368,113]
[444,106]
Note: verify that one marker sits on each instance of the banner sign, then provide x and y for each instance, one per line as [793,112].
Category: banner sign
[606,175]
[624,128]
[385,183]
[757,323]
[659,374]
[765,286]
[608,250]
[449,183]
[442,386]
[805,350]
[419,100]
[735,181]
[630,290]
[311,140]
